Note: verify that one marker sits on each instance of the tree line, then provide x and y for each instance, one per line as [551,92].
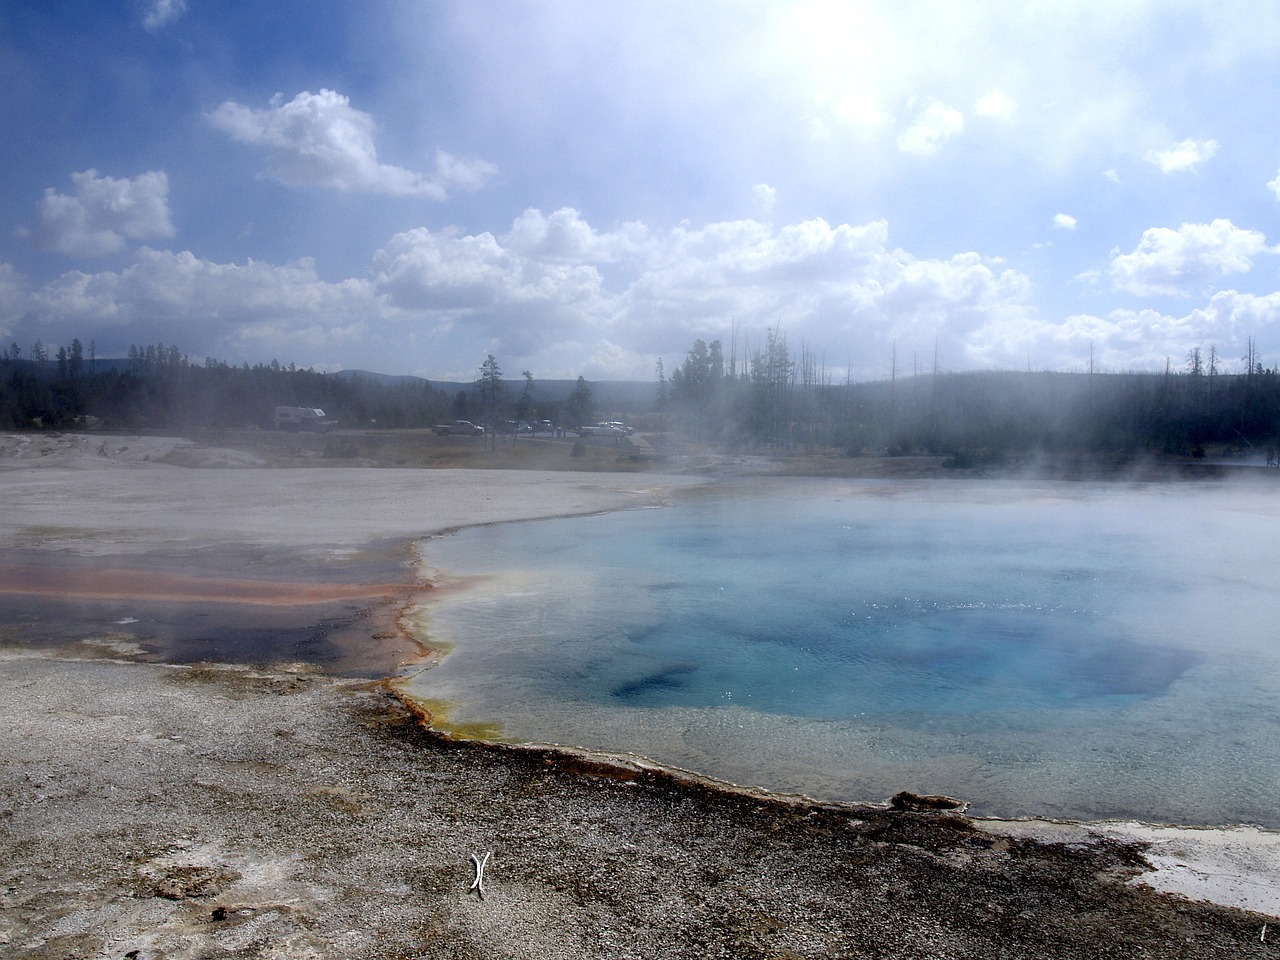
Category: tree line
[770,398]
[159,387]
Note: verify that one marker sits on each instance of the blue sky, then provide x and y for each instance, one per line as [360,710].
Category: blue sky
[584,187]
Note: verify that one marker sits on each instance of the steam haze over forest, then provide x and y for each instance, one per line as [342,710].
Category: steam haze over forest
[582,188]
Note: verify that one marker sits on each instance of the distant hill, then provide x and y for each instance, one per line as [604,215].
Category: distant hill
[383,379]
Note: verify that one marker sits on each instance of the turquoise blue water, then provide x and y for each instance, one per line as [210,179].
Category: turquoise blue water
[1036,649]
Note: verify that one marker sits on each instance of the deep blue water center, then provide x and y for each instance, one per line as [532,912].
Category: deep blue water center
[1047,649]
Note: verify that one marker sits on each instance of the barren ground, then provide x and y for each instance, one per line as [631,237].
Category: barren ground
[154,803]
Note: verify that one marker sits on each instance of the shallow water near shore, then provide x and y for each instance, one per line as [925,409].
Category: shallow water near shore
[1052,649]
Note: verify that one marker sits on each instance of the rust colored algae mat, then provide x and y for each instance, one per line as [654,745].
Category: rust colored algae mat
[202,606]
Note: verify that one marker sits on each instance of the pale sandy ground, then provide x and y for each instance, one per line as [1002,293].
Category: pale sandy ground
[118,495]
[1236,866]
[164,811]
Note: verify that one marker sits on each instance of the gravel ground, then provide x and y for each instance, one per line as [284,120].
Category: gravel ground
[214,811]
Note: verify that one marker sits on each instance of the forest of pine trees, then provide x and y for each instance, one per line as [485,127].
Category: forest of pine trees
[769,400]
[158,387]
[773,400]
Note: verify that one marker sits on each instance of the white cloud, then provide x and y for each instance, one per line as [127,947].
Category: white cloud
[947,301]
[1183,157]
[103,214]
[1144,339]
[319,139]
[13,295]
[564,237]
[840,286]
[515,301]
[1064,221]
[610,361]
[548,293]
[766,197]
[1275,185]
[159,13]
[1230,318]
[559,297]
[995,105]
[935,123]
[858,109]
[853,109]
[1180,262]
[461,172]
[248,309]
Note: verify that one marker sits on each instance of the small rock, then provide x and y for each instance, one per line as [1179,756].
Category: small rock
[920,803]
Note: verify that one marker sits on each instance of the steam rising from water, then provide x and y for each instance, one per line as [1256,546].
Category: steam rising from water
[1050,649]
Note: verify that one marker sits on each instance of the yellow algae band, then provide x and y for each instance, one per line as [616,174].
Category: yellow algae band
[435,714]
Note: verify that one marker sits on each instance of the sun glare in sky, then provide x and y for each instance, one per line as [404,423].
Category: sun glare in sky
[584,188]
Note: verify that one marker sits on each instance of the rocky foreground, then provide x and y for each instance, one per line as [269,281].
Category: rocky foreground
[155,811]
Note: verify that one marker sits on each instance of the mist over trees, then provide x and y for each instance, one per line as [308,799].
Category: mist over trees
[159,387]
[763,398]
[772,399]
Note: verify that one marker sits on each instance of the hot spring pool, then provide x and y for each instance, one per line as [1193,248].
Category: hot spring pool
[1049,649]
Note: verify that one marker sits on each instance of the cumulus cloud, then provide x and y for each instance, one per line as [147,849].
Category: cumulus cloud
[103,214]
[319,139]
[547,293]
[935,123]
[1064,221]
[1231,317]
[831,113]
[766,197]
[461,172]
[1146,339]
[564,237]
[248,309]
[13,294]
[1183,157]
[558,296]
[1275,185]
[516,300]
[1180,262]
[843,286]
[995,105]
[157,14]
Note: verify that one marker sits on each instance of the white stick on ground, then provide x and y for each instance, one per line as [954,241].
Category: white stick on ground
[478,883]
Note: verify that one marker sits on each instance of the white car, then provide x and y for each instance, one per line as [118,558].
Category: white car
[601,430]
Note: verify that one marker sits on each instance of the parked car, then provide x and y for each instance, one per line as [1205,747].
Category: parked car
[602,430]
[459,428]
[309,419]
